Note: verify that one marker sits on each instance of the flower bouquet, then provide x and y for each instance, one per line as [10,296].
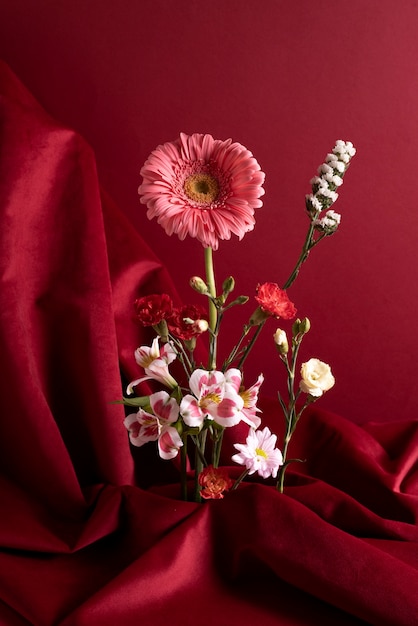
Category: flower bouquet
[209,189]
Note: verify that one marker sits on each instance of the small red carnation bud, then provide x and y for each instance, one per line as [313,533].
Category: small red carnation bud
[188,322]
[151,310]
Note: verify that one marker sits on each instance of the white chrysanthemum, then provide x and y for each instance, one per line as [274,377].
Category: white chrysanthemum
[259,453]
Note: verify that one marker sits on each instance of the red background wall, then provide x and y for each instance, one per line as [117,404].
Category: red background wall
[286,80]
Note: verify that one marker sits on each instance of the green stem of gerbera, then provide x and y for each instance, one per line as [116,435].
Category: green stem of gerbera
[213,313]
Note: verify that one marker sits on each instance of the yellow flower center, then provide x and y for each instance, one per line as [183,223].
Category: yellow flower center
[202,188]
[246,396]
[260,452]
[208,399]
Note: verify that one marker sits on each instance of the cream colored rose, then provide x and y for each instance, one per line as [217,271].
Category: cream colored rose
[316,378]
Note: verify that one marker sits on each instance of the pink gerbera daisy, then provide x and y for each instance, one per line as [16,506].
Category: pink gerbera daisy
[202,187]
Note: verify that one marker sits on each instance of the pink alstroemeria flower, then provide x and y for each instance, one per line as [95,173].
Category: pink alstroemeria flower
[213,398]
[143,426]
[249,396]
[155,361]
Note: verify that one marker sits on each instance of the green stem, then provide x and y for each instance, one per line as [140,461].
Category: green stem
[282,470]
[236,349]
[249,347]
[199,456]
[213,313]
[240,479]
[217,447]
[182,356]
[183,468]
[291,417]
[303,255]
[310,243]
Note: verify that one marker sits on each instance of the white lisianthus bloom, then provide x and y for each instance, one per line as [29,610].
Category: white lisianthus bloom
[316,378]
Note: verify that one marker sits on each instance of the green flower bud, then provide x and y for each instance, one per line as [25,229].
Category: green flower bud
[198,284]
[280,339]
[296,327]
[228,285]
[304,326]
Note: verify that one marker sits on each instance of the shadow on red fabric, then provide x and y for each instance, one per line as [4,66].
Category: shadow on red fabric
[93,533]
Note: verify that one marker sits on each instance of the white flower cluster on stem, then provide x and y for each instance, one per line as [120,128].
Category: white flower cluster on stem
[324,186]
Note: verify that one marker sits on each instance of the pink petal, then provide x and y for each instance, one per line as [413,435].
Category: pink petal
[191,411]
[169,443]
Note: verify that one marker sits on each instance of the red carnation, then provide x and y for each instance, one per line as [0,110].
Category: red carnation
[151,310]
[275,301]
[188,322]
[214,481]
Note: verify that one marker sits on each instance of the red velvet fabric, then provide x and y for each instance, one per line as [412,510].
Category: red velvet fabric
[94,534]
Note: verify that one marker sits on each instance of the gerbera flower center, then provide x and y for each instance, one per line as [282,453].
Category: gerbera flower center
[260,452]
[202,188]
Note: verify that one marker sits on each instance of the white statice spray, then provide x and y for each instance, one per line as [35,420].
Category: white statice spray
[325,185]
[329,222]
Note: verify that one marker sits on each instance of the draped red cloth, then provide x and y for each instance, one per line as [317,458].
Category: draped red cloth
[92,533]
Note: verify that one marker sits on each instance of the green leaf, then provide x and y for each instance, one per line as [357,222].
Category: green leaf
[142,401]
